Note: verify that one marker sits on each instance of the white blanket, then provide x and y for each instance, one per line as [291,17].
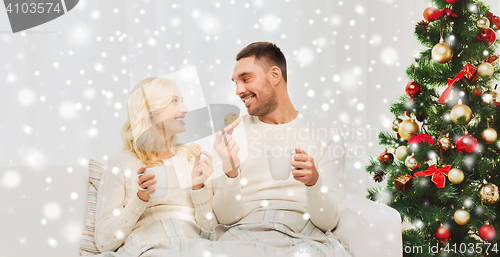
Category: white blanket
[264,233]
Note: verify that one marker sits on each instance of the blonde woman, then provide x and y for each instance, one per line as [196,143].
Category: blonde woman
[124,206]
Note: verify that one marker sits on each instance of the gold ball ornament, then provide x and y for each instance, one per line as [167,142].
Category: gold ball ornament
[456,176]
[442,52]
[401,152]
[489,136]
[461,217]
[444,141]
[485,69]
[489,193]
[407,127]
[483,23]
[461,110]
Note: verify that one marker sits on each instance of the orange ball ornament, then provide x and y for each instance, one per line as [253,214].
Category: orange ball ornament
[429,13]
[386,158]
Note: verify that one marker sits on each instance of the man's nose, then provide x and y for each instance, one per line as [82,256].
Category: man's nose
[240,89]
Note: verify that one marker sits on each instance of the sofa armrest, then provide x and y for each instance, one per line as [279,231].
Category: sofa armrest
[369,229]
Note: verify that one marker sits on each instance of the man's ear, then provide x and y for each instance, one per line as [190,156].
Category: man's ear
[275,73]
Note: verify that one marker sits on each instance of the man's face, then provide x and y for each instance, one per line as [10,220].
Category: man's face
[254,88]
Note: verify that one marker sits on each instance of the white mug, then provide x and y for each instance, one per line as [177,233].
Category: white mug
[280,161]
[161,181]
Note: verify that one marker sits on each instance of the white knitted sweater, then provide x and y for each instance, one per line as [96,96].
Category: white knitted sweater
[119,211]
[254,189]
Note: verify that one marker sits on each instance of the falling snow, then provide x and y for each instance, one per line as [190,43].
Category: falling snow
[52,211]
[11,179]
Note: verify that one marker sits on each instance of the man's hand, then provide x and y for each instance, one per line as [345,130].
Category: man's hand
[304,171]
[228,153]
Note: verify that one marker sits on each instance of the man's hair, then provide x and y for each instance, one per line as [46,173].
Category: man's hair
[268,54]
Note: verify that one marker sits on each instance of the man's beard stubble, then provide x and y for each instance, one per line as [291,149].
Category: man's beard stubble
[267,102]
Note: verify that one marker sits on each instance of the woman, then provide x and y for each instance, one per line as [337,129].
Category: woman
[155,116]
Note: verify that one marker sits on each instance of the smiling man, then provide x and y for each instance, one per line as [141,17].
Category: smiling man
[301,210]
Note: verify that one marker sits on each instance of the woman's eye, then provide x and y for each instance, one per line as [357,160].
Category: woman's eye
[174,101]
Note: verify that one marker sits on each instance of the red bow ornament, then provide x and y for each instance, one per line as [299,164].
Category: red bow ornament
[437,174]
[421,137]
[441,13]
[468,71]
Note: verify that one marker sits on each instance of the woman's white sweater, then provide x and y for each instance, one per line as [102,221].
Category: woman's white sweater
[120,211]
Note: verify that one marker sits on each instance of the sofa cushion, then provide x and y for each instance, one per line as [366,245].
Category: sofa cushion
[87,241]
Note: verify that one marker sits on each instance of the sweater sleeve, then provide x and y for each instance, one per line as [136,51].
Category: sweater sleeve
[203,210]
[227,203]
[114,220]
[324,198]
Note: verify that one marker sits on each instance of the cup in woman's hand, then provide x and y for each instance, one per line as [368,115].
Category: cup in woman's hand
[280,161]
[160,173]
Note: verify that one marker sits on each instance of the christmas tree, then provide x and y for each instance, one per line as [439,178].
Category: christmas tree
[441,160]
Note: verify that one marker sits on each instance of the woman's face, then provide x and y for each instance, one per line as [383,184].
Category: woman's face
[173,115]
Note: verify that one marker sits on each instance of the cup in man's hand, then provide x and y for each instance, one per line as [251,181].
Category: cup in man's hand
[280,161]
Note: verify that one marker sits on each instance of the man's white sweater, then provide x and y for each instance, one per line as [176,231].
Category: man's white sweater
[254,189]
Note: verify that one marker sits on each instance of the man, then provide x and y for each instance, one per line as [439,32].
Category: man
[277,216]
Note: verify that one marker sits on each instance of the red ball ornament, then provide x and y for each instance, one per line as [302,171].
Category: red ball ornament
[466,144]
[442,234]
[386,158]
[413,89]
[487,232]
[452,1]
[429,13]
[488,35]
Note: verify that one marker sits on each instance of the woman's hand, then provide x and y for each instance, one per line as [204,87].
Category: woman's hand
[144,181]
[202,169]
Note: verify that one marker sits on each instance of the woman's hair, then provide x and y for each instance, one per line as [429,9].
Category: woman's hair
[158,92]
